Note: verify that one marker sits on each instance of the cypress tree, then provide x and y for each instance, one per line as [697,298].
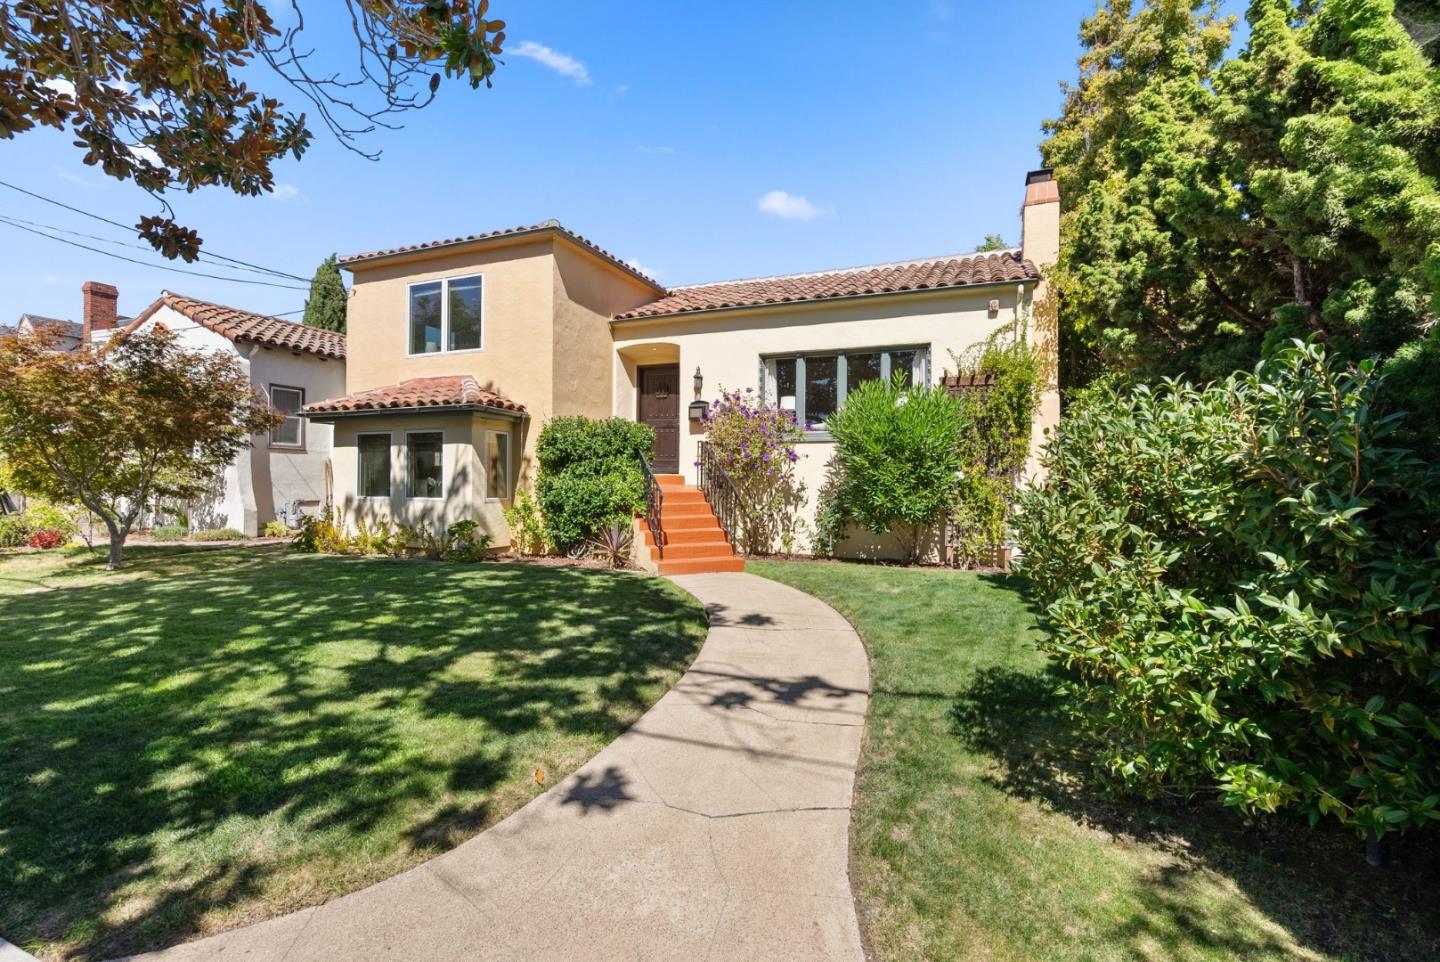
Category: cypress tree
[325,307]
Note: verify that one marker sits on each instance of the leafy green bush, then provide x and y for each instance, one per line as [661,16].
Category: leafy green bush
[275,529]
[463,543]
[218,534]
[170,532]
[590,475]
[527,528]
[15,530]
[896,458]
[995,442]
[1242,580]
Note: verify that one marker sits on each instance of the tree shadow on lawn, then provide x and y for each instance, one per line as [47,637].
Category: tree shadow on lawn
[183,743]
[1314,884]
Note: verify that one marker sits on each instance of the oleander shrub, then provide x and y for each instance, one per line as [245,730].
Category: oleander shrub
[218,534]
[590,476]
[1241,580]
[755,445]
[895,464]
[170,532]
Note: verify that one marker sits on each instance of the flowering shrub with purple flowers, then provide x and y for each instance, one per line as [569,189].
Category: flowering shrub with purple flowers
[755,442]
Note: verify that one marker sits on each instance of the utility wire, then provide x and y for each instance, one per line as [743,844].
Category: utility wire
[18,221]
[158,267]
[127,227]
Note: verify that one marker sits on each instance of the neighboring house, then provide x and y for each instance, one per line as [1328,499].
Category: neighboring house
[463,348]
[99,298]
[292,365]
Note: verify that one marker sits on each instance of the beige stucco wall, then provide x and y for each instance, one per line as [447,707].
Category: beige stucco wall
[727,347]
[463,472]
[546,343]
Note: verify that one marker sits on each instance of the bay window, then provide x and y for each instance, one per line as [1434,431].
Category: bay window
[446,315]
[814,384]
[373,466]
[425,464]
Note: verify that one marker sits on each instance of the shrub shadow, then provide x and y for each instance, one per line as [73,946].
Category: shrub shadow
[1314,884]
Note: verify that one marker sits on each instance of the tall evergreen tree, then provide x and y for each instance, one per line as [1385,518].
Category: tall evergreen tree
[1219,207]
[325,307]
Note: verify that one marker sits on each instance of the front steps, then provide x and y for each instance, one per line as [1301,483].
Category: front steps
[694,541]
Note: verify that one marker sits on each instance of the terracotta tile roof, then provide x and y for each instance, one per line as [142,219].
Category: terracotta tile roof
[457,391]
[906,276]
[240,325]
[548,226]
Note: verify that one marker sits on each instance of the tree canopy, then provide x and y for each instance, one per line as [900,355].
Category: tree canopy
[325,307]
[1220,204]
[159,93]
[116,429]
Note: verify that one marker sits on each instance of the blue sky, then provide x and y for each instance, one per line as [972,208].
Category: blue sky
[655,129]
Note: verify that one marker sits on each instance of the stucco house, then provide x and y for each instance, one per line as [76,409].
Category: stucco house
[291,364]
[461,349]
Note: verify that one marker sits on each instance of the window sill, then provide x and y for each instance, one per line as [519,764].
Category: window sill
[810,437]
[463,350]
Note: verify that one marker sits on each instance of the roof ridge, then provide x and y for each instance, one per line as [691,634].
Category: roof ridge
[800,275]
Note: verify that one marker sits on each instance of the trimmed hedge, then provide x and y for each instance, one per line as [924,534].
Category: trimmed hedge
[590,475]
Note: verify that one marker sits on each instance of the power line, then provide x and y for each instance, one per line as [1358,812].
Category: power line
[126,227]
[17,221]
[159,267]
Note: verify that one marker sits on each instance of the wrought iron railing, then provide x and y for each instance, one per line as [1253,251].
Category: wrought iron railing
[654,502]
[720,491]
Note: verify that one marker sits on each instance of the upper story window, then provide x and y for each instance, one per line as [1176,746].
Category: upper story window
[289,433]
[815,384]
[447,315]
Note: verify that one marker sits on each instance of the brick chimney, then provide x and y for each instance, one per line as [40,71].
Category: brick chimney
[1040,218]
[99,312]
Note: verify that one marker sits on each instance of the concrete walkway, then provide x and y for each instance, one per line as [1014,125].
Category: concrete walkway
[715,828]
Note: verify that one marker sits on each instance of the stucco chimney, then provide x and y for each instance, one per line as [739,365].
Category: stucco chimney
[1040,218]
[99,312]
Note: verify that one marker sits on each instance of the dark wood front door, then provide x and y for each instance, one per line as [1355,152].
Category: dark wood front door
[659,407]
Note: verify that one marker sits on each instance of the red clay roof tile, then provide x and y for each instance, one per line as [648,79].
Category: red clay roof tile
[238,325]
[922,275]
[456,391]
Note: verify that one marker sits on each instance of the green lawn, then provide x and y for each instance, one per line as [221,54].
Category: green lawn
[976,836]
[211,737]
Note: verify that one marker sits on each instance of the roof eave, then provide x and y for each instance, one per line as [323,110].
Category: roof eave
[816,301]
[488,409]
[499,240]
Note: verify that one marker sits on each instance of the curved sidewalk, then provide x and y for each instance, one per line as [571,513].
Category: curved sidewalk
[717,827]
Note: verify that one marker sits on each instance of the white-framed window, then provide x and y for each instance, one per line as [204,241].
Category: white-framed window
[814,384]
[372,459]
[425,465]
[289,433]
[497,465]
[446,315]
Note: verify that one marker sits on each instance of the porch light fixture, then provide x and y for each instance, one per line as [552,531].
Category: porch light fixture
[698,408]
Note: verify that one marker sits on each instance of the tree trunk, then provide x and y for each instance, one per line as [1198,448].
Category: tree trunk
[117,545]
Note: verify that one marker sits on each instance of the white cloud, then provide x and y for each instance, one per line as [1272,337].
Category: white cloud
[648,149]
[146,155]
[791,206]
[61,86]
[561,63]
[635,265]
[285,192]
